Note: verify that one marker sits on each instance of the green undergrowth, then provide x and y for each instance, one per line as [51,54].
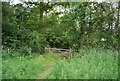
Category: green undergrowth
[27,67]
[90,66]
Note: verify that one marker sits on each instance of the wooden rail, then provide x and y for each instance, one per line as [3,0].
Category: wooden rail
[61,52]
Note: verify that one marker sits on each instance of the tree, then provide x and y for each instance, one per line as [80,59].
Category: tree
[73,25]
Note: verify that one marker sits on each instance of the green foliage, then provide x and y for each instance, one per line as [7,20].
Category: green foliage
[25,50]
[37,42]
[90,66]
[29,27]
[25,69]
[9,52]
[62,25]
[28,67]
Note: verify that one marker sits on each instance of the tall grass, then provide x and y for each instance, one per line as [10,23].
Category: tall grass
[27,67]
[94,65]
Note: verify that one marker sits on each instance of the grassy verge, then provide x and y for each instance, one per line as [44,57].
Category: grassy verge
[28,67]
[90,66]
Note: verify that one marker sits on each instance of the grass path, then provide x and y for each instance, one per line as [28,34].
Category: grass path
[49,64]
[43,75]
[49,70]
[46,72]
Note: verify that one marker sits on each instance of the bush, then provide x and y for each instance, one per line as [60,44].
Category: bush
[25,50]
[9,53]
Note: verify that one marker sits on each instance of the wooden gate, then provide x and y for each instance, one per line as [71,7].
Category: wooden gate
[61,52]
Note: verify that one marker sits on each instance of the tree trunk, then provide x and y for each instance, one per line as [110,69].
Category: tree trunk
[82,27]
[90,20]
[41,10]
[118,28]
[117,23]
